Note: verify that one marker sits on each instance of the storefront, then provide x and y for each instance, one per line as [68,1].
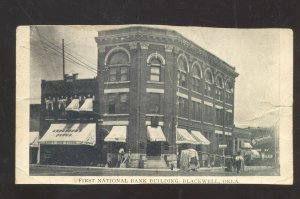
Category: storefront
[69,144]
[155,138]
[115,140]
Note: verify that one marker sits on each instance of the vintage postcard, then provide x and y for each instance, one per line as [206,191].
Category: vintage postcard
[149,104]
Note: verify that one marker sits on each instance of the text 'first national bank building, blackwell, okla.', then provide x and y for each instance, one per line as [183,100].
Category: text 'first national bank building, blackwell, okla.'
[155,93]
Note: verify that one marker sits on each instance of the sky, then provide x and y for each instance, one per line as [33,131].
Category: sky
[253,52]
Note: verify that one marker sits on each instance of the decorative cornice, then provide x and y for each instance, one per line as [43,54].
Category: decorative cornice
[144,45]
[169,48]
[133,45]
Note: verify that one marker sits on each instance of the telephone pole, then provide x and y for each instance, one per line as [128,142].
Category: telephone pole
[63,57]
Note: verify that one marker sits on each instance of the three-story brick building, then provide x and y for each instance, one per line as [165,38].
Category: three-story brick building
[159,92]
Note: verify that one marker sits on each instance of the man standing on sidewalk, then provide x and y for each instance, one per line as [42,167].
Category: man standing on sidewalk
[239,161]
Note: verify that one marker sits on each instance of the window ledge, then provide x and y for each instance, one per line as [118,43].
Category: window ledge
[154,82]
[208,123]
[196,121]
[196,92]
[208,96]
[219,125]
[183,118]
[158,115]
[228,104]
[115,115]
[119,82]
[182,87]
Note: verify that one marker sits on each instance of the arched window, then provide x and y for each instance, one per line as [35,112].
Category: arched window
[196,73]
[208,76]
[117,61]
[155,70]
[229,92]
[219,87]
[182,71]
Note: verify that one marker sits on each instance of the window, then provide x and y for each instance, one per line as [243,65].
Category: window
[155,73]
[182,72]
[219,88]
[118,64]
[124,73]
[182,107]
[219,116]
[208,83]
[117,103]
[196,73]
[154,103]
[208,114]
[229,92]
[196,111]
[112,103]
[123,103]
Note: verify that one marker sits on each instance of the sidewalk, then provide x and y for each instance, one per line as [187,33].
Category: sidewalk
[127,169]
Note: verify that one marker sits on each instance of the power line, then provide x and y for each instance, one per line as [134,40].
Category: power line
[67,57]
[73,57]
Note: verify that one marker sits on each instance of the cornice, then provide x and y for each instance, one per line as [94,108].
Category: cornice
[175,43]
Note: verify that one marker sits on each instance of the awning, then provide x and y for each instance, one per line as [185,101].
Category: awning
[184,137]
[34,139]
[117,134]
[255,152]
[70,134]
[155,134]
[200,138]
[247,145]
[73,106]
[87,106]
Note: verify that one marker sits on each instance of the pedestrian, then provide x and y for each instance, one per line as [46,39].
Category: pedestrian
[239,160]
[120,157]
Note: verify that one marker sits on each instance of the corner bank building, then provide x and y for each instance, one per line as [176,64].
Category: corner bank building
[160,92]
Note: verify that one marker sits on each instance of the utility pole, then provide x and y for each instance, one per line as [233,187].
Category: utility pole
[63,57]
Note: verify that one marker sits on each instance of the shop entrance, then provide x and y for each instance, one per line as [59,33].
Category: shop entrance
[153,148]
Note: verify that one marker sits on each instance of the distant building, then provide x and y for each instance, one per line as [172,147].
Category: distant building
[159,93]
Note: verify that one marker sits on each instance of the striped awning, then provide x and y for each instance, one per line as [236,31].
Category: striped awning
[200,138]
[70,134]
[87,106]
[73,106]
[155,134]
[117,134]
[184,137]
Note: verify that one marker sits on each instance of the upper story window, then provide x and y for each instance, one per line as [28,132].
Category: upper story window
[117,103]
[196,112]
[182,65]
[155,61]
[229,92]
[155,72]
[154,103]
[117,62]
[183,109]
[196,75]
[208,76]
[219,88]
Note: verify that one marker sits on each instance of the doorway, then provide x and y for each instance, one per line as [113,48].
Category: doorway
[153,148]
